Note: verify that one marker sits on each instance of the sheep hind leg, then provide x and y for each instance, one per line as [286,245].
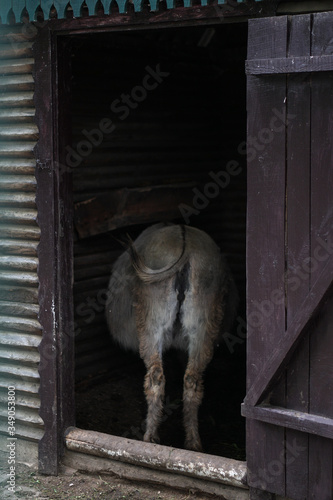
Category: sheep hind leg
[154,387]
[192,398]
[201,348]
[155,314]
[202,335]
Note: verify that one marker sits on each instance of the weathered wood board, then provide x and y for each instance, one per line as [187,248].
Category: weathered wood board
[126,207]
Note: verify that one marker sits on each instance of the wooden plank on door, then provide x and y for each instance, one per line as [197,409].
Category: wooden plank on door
[266,105]
[286,345]
[298,249]
[321,341]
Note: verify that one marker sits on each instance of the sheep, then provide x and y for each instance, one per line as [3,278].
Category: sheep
[171,288]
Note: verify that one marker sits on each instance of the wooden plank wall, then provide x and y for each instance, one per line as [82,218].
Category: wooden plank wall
[298,244]
[265,242]
[193,123]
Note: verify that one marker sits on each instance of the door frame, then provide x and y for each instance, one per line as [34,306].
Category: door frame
[54,196]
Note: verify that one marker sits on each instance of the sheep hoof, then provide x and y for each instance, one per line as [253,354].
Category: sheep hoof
[193,445]
[151,438]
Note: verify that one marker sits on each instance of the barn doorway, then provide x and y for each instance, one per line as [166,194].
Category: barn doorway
[156,108]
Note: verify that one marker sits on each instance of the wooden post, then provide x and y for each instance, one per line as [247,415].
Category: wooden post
[54,254]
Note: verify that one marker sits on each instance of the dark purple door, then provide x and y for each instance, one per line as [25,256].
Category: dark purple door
[289,403]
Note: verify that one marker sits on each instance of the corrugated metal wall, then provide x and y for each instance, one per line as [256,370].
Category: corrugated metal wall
[191,124]
[20,331]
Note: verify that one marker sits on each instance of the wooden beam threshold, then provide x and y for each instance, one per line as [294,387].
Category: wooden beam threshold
[154,456]
[303,422]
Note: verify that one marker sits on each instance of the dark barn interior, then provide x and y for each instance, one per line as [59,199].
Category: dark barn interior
[176,99]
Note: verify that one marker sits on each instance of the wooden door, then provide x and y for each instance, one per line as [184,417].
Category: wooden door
[289,403]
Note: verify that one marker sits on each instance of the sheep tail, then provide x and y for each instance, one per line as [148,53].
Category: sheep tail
[148,275]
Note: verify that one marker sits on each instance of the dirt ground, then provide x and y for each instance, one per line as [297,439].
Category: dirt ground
[116,404]
[78,486]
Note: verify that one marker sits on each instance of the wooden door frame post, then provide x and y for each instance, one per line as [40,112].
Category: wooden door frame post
[55,250]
